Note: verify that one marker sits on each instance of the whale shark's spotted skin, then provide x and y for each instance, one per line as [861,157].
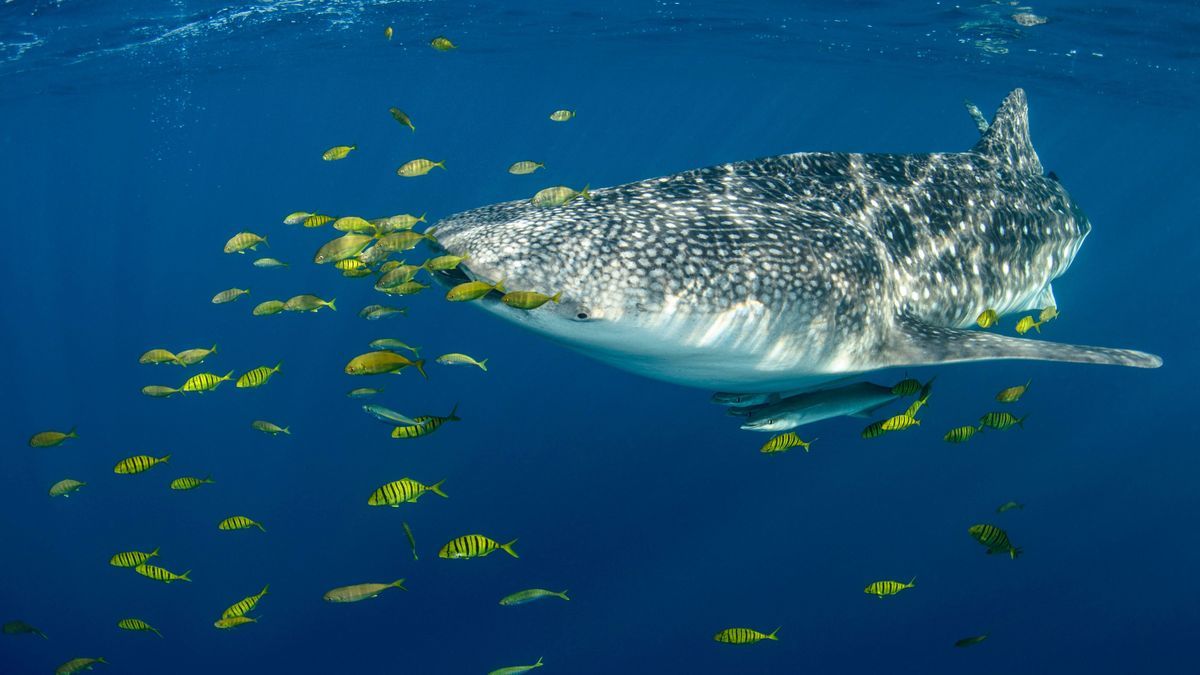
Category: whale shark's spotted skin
[777,272]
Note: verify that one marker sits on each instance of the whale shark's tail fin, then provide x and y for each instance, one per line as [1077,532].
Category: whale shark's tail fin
[917,343]
[1007,138]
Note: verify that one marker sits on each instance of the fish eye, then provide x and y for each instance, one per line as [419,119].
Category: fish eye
[582,316]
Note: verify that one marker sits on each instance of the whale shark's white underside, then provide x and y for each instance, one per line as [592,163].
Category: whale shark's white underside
[783,272]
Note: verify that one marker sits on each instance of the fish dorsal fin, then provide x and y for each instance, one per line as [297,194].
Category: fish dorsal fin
[1007,139]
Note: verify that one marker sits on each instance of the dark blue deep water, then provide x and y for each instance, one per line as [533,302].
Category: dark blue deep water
[137,137]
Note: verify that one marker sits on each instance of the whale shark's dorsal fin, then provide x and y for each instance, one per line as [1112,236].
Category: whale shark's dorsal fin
[1007,138]
[917,344]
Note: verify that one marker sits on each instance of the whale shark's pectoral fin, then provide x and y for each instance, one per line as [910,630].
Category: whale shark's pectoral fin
[917,343]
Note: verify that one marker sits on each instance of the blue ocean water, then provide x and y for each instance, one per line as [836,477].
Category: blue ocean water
[138,137]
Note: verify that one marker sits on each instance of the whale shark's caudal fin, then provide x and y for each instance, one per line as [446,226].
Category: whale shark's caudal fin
[1007,138]
[917,343]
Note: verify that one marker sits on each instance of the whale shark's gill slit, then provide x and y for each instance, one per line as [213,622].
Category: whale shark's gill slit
[917,343]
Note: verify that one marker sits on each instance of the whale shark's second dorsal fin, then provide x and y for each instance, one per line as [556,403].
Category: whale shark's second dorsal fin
[916,343]
[1007,138]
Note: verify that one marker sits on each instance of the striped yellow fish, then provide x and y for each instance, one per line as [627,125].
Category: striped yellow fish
[131,558]
[159,356]
[744,636]
[784,442]
[137,625]
[558,195]
[882,588]
[349,265]
[517,670]
[474,546]
[443,262]
[531,595]
[308,303]
[359,592]
[995,539]
[295,217]
[900,422]
[396,275]
[405,490]
[160,574]
[442,44]
[387,32]
[257,377]
[343,247]
[65,487]
[245,605]
[1013,394]
[337,152]
[457,359]
[317,220]
[406,288]
[203,382]
[190,483]
[987,319]
[524,167]
[960,434]
[1048,314]
[159,391]
[562,115]
[50,439]
[418,167]
[906,387]
[239,523]
[138,464]
[874,430]
[405,240]
[425,425]
[1001,421]
[1026,324]
[233,622]
[229,295]
[243,241]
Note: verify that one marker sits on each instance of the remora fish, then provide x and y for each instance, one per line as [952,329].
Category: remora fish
[784,272]
[821,404]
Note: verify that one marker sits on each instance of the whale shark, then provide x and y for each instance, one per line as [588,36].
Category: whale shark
[781,273]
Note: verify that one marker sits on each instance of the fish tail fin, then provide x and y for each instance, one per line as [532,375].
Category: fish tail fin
[156,631]
[264,590]
[214,349]
[72,434]
[276,368]
[563,594]
[556,297]
[772,634]
[184,576]
[422,218]
[454,416]
[585,194]
[483,365]
[499,287]
[228,376]
[154,553]
[539,662]
[268,246]
[287,430]
[331,305]
[165,458]
[420,366]
[260,526]
[912,582]
[101,660]
[917,343]
[44,636]
[509,549]
[436,489]
[1021,422]
[1015,552]
[206,479]
[399,583]
[441,164]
